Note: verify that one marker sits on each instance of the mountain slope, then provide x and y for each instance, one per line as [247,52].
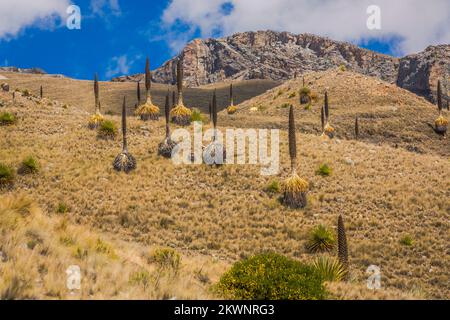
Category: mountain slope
[387,114]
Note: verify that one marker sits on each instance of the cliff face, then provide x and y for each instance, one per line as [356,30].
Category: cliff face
[420,72]
[269,55]
[281,55]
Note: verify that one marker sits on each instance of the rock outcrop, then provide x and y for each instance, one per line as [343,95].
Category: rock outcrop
[419,73]
[22,70]
[269,55]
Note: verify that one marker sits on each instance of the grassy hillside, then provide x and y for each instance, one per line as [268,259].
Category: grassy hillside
[386,195]
[387,114]
[80,93]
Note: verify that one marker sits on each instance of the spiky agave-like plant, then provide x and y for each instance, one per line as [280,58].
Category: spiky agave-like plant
[215,148]
[342,245]
[328,129]
[97,118]
[295,189]
[180,114]
[124,161]
[148,111]
[441,122]
[165,148]
[231,108]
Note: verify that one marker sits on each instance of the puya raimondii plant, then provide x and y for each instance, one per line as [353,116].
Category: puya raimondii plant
[148,111]
[124,161]
[231,108]
[180,115]
[215,152]
[97,118]
[165,148]
[441,122]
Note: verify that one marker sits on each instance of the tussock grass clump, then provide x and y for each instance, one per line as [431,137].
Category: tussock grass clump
[124,161]
[148,111]
[321,240]
[7,119]
[166,259]
[180,115]
[407,241]
[329,269]
[324,170]
[271,276]
[166,147]
[273,187]
[62,208]
[97,118]
[197,116]
[28,166]
[231,108]
[6,176]
[295,189]
[107,130]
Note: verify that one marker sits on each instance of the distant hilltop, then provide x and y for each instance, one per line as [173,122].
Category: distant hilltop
[22,70]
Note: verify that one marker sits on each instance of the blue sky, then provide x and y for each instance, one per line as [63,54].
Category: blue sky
[117,35]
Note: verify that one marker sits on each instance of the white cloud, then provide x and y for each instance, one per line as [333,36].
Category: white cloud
[120,65]
[417,23]
[16,15]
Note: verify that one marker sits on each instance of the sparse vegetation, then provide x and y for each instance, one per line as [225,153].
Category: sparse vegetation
[324,170]
[6,175]
[107,130]
[320,240]
[271,277]
[407,241]
[28,166]
[7,119]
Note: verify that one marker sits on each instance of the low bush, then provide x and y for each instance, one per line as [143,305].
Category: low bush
[271,277]
[324,170]
[273,187]
[407,241]
[197,116]
[28,166]
[7,119]
[107,130]
[166,259]
[6,175]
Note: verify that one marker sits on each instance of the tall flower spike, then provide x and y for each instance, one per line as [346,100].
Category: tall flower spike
[231,95]
[41,93]
[322,118]
[174,101]
[439,97]
[96,94]
[210,110]
[167,114]
[124,126]
[180,80]
[292,141]
[326,107]
[148,78]
[357,128]
[138,92]
[342,244]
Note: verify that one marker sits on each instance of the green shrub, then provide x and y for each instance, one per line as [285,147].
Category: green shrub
[29,165]
[273,187]
[324,170]
[26,93]
[342,68]
[107,130]
[271,277]
[197,116]
[308,106]
[407,241]
[6,175]
[142,278]
[320,240]
[166,259]
[292,95]
[62,208]
[330,269]
[305,91]
[7,119]
[285,105]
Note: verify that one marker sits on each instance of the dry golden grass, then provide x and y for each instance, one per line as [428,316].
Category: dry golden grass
[223,212]
[387,114]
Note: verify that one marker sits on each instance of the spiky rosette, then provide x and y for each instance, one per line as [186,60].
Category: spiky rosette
[181,115]
[124,161]
[148,111]
[329,131]
[441,125]
[231,110]
[295,190]
[95,120]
